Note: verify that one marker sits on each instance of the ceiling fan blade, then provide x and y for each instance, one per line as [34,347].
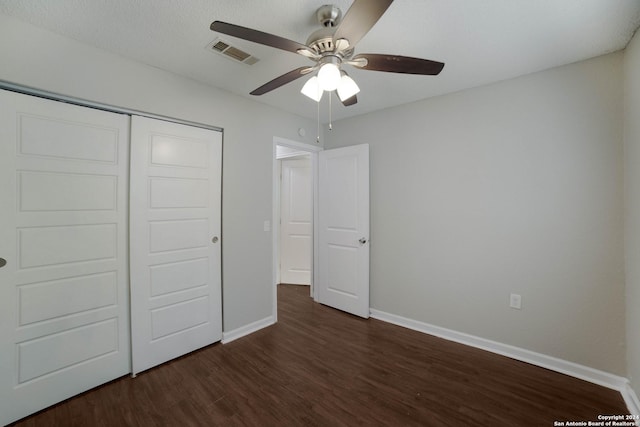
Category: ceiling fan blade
[350,101]
[397,64]
[282,80]
[258,37]
[361,16]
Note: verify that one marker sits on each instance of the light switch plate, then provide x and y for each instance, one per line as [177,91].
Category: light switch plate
[515,301]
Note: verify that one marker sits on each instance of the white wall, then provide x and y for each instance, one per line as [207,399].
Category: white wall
[632,211]
[40,59]
[513,187]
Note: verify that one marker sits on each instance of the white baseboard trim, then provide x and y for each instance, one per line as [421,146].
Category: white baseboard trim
[586,373]
[631,399]
[240,332]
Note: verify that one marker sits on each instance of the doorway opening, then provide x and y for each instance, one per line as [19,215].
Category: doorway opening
[296,217]
[295,209]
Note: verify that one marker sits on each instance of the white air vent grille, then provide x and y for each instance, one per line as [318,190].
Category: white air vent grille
[231,52]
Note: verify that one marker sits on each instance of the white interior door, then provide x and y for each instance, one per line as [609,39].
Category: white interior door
[296,222]
[63,222]
[175,240]
[344,229]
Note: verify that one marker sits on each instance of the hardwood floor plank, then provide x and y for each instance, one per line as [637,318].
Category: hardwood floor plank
[321,367]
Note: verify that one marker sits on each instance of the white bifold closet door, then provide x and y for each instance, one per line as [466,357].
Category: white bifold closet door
[175,240]
[63,242]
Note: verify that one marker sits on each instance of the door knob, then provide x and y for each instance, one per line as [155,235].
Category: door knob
[215,239]
[3,262]
[362,240]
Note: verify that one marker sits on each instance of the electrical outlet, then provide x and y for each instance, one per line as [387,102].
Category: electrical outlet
[515,301]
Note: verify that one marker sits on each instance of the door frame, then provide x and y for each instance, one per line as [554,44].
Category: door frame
[313,151]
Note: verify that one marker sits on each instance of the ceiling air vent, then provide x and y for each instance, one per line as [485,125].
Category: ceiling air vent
[225,49]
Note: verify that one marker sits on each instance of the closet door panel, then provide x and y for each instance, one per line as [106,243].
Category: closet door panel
[64,324]
[175,240]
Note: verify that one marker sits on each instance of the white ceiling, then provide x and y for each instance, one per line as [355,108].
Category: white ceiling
[480,41]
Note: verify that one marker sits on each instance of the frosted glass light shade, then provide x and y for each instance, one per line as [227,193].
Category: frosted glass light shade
[312,89]
[329,77]
[347,88]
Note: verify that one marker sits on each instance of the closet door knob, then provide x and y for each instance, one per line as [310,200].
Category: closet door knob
[3,262]
[215,239]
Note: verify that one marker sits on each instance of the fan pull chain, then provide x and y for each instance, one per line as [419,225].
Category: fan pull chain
[330,98]
[318,120]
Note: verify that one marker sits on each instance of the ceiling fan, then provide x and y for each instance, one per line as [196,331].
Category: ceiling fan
[330,48]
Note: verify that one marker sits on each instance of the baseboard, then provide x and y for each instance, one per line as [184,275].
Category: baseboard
[631,399]
[586,373]
[240,332]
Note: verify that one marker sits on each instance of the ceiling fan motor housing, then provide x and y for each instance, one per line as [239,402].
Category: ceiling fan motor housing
[321,41]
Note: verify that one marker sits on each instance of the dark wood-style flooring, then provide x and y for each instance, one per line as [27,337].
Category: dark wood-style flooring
[321,367]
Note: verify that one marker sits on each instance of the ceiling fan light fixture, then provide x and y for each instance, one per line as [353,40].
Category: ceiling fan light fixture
[312,89]
[329,77]
[347,88]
